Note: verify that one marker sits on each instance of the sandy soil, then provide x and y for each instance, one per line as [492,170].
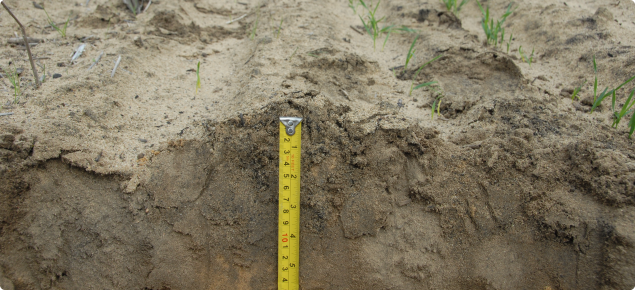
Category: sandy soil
[137,181]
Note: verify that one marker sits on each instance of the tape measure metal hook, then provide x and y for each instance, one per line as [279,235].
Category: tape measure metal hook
[290,123]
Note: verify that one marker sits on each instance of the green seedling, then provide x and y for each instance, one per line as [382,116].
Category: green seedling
[279,28]
[509,42]
[631,125]
[422,85]
[312,54]
[436,104]
[390,29]
[411,53]
[198,77]
[626,109]
[134,6]
[595,83]
[577,90]
[414,78]
[614,98]
[372,26]
[531,57]
[296,49]
[492,31]
[61,31]
[597,100]
[255,27]
[454,6]
[14,79]
[353,5]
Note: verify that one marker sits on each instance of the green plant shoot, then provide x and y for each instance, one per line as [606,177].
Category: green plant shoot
[14,79]
[454,6]
[577,90]
[255,27]
[296,49]
[492,31]
[509,42]
[414,78]
[372,26]
[353,5]
[600,98]
[531,57]
[595,83]
[198,77]
[423,85]
[626,109]
[597,101]
[614,98]
[631,125]
[436,105]
[61,31]
[389,29]
[411,53]
[133,5]
[279,28]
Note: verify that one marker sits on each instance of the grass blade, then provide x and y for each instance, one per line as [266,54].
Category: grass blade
[613,102]
[417,74]
[626,109]
[14,79]
[279,28]
[198,77]
[386,40]
[411,52]
[595,83]
[376,6]
[624,83]
[600,98]
[424,85]
[364,4]
[595,67]
[406,29]
[577,90]
[436,105]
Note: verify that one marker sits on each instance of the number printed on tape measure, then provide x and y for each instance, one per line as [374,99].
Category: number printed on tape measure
[289,211]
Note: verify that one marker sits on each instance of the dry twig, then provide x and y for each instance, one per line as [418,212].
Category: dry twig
[115,68]
[26,43]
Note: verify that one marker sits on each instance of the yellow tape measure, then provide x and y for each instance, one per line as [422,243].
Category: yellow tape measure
[289,204]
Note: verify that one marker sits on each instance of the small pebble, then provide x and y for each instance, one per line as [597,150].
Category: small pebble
[140,155]
[57,76]
[143,140]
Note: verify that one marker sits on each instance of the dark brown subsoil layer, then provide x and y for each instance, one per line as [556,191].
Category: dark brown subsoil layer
[384,204]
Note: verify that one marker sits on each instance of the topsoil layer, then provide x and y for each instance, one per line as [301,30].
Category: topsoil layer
[138,181]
